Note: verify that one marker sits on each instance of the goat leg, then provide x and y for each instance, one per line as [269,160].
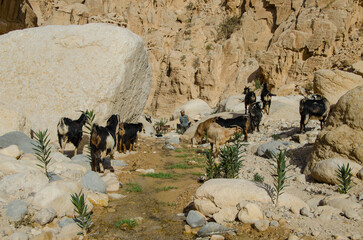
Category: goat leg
[64,142]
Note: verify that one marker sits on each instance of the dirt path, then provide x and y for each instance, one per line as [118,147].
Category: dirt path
[157,204]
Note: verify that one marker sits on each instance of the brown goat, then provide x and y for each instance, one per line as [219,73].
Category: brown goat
[218,135]
[201,130]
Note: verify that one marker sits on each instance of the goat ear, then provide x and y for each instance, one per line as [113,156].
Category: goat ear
[95,140]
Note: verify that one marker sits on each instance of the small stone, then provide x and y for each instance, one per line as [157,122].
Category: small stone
[116,195]
[187,229]
[351,214]
[18,236]
[274,223]
[65,221]
[293,237]
[169,147]
[92,181]
[315,233]
[195,219]
[16,210]
[216,237]
[111,210]
[262,225]
[305,212]
[212,228]
[44,216]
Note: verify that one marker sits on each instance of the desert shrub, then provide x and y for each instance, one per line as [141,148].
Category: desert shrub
[228,27]
[344,176]
[83,219]
[212,168]
[258,178]
[230,157]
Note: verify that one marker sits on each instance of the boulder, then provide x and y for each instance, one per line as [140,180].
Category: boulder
[332,84]
[10,165]
[213,228]
[325,171]
[18,236]
[343,136]
[341,203]
[44,216]
[295,204]
[249,212]
[193,108]
[68,170]
[119,59]
[59,157]
[97,199]
[12,120]
[69,231]
[226,215]
[195,219]
[285,107]
[16,210]
[233,103]
[112,183]
[12,151]
[92,181]
[261,225]
[274,147]
[217,194]
[22,185]
[23,142]
[65,221]
[83,160]
[57,195]
[358,67]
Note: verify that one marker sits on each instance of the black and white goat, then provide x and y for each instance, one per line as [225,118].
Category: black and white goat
[266,98]
[250,98]
[103,142]
[70,131]
[313,107]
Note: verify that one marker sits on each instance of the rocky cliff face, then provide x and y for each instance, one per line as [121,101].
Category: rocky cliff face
[212,49]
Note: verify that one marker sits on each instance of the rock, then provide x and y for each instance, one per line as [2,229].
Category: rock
[118,163]
[274,224]
[292,202]
[169,147]
[274,147]
[249,213]
[83,160]
[358,67]
[216,194]
[69,231]
[360,174]
[325,170]
[187,229]
[92,181]
[261,225]
[12,151]
[112,183]
[195,219]
[19,139]
[341,204]
[233,103]
[193,108]
[115,196]
[54,177]
[325,213]
[97,199]
[16,210]
[343,134]
[59,157]
[12,120]
[22,185]
[351,214]
[145,171]
[292,237]
[226,215]
[217,237]
[10,165]
[44,216]
[18,236]
[48,235]
[305,212]
[57,195]
[213,228]
[102,44]
[65,221]
[68,170]
[173,140]
[285,107]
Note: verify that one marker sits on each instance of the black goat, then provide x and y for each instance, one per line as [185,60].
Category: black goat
[250,98]
[242,122]
[314,107]
[70,131]
[103,142]
[266,98]
[256,116]
[128,139]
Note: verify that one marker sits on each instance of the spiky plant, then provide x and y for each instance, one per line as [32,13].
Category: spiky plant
[344,176]
[279,173]
[258,178]
[230,157]
[42,150]
[212,168]
[89,124]
[83,219]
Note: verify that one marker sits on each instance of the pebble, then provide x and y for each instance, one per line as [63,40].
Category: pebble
[262,225]
[293,237]
[305,212]
[351,214]
[216,237]
[274,223]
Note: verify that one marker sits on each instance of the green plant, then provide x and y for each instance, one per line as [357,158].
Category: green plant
[212,169]
[133,187]
[42,150]
[83,219]
[129,223]
[158,175]
[180,166]
[159,126]
[258,178]
[231,159]
[159,189]
[227,27]
[275,137]
[209,47]
[279,170]
[344,176]
[257,84]
[89,124]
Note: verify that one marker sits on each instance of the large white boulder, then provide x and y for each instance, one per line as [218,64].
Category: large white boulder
[193,108]
[55,71]
[12,120]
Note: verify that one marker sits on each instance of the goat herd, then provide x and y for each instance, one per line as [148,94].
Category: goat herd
[123,136]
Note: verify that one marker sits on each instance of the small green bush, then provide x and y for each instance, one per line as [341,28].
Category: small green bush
[257,84]
[230,157]
[129,223]
[258,178]
[344,176]
[83,219]
[133,187]
[42,150]
[212,169]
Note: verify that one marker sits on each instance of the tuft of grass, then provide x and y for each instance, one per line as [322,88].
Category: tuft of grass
[181,166]
[258,178]
[42,150]
[185,155]
[344,176]
[279,173]
[128,223]
[165,189]
[26,221]
[228,27]
[159,175]
[133,187]
[209,47]
[83,219]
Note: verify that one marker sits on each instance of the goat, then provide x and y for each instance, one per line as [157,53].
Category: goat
[218,135]
[255,116]
[314,107]
[70,131]
[129,136]
[242,122]
[250,98]
[201,130]
[103,141]
[266,98]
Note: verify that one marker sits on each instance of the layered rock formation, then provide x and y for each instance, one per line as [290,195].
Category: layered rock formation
[211,49]
[343,136]
[55,71]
